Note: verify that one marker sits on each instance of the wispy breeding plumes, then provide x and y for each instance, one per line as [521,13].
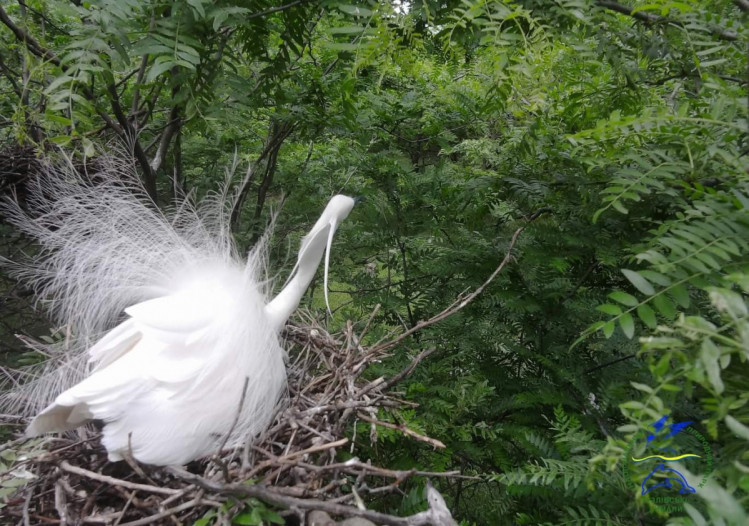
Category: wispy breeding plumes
[105,247]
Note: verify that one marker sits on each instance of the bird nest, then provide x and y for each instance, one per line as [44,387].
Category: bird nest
[295,465]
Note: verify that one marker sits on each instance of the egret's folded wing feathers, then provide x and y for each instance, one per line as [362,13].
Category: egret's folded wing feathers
[114,344]
[177,313]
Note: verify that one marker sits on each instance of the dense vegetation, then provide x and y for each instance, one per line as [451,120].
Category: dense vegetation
[616,133]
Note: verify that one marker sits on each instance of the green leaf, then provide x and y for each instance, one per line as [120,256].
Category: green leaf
[709,356]
[598,214]
[252,518]
[347,30]
[680,294]
[624,298]
[663,365]
[695,515]
[342,46]
[627,324]
[159,67]
[728,301]
[608,329]
[62,140]
[642,387]
[647,315]
[88,147]
[665,306]
[610,308]
[197,5]
[205,520]
[354,10]
[619,207]
[739,429]
[639,282]
[150,47]
[273,517]
[656,277]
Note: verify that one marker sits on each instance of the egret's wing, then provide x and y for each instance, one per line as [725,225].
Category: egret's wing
[114,344]
[175,316]
[179,313]
[142,355]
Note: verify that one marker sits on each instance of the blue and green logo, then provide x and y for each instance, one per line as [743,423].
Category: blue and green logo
[660,463]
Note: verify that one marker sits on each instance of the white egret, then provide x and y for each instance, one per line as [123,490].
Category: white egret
[169,381]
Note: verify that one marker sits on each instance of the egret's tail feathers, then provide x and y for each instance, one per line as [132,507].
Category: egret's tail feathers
[57,418]
[104,246]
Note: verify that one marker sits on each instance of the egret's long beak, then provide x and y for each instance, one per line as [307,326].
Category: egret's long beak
[331,233]
[310,239]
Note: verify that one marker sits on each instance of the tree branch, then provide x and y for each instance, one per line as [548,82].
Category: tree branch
[166,138]
[403,429]
[652,18]
[31,44]
[270,496]
[128,133]
[276,9]
[461,301]
[121,126]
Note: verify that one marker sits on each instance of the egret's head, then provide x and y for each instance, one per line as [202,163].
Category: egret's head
[314,245]
[338,209]
[321,236]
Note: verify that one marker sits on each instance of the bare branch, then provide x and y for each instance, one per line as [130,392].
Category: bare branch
[66,466]
[651,18]
[403,429]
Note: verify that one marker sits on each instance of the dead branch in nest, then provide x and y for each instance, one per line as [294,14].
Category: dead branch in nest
[294,465]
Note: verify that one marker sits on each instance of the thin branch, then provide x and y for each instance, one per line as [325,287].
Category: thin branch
[164,514]
[403,429]
[44,17]
[66,466]
[271,496]
[457,305]
[141,72]
[31,44]
[408,370]
[607,364]
[652,18]
[10,75]
[276,9]
[173,125]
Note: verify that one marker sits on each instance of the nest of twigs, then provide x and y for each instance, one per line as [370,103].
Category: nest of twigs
[294,465]
[293,473]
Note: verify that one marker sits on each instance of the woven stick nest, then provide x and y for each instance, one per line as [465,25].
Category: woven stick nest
[294,467]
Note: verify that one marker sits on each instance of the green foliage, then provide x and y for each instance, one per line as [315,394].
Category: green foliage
[249,512]
[13,469]
[627,296]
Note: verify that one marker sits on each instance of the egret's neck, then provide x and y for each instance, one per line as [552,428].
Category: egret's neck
[283,305]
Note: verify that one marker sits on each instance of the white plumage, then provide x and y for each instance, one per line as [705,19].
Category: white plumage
[167,381]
